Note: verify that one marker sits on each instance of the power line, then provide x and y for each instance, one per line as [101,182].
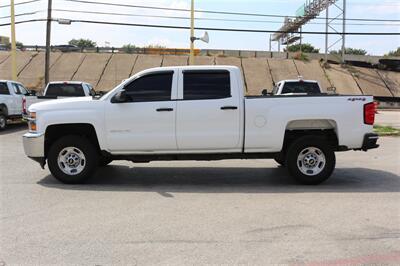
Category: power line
[24,21]
[23,14]
[22,3]
[207,28]
[208,19]
[219,12]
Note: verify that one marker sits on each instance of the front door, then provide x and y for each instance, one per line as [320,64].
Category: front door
[145,123]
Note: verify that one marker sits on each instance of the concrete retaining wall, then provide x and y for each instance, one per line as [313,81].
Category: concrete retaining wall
[118,68]
[66,66]
[342,80]
[33,74]
[257,75]
[105,71]
[282,69]
[313,70]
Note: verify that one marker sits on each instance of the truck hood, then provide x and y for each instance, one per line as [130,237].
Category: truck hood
[63,104]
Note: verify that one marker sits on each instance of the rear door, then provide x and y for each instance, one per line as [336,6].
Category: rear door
[208,117]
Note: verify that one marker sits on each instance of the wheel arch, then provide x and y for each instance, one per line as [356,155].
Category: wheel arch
[3,109]
[326,129]
[54,132]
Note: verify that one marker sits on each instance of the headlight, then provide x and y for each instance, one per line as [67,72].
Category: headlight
[32,122]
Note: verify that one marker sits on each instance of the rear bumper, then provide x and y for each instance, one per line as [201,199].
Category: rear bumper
[369,141]
[34,147]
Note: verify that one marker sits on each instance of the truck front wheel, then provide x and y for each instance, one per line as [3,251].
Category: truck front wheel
[310,160]
[72,159]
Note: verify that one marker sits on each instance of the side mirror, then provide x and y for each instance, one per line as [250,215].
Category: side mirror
[331,89]
[32,93]
[264,92]
[120,97]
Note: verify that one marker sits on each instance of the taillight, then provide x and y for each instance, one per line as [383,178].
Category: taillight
[369,113]
[23,105]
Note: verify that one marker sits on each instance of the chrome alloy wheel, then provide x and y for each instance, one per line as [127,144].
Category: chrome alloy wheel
[71,160]
[311,161]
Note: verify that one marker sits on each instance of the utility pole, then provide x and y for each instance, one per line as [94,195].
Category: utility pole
[191,57]
[48,35]
[344,32]
[270,43]
[13,44]
[326,34]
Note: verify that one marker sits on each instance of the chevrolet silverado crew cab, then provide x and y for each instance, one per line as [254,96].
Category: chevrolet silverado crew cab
[197,113]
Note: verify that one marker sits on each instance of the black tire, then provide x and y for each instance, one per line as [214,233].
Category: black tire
[90,162]
[104,161]
[305,146]
[280,159]
[3,122]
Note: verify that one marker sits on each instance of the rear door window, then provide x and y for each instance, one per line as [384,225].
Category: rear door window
[202,85]
[65,90]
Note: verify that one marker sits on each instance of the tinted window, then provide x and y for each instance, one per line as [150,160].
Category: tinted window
[206,85]
[65,90]
[301,87]
[152,87]
[4,88]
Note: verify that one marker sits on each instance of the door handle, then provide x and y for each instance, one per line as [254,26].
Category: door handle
[164,109]
[229,108]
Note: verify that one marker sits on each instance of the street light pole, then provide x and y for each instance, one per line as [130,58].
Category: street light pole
[48,35]
[13,44]
[191,57]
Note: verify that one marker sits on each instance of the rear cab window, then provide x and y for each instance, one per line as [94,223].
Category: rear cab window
[65,90]
[206,85]
[301,87]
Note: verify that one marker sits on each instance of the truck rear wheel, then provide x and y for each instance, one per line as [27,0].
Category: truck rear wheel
[3,121]
[310,160]
[72,159]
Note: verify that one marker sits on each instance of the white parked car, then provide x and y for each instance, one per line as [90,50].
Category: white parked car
[197,113]
[11,97]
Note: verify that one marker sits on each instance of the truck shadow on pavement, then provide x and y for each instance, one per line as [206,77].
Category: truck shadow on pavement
[12,128]
[167,180]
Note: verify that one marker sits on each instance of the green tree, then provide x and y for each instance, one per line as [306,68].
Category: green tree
[305,48]
[83,43]
[395,52]
[129,48]
[350,50]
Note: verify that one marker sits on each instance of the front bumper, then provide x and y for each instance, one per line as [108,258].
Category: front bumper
[369,141]
[34,147]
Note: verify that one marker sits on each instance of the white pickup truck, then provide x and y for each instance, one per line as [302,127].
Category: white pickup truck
[60,90]
[297,87]
[197,113]
[11,97]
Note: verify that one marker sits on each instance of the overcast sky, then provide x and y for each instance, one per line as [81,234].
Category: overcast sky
[34,33]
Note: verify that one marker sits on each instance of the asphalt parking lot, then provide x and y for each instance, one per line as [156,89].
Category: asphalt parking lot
[226,212]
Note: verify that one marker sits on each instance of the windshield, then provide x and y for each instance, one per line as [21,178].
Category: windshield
[300,87]
[65,90]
